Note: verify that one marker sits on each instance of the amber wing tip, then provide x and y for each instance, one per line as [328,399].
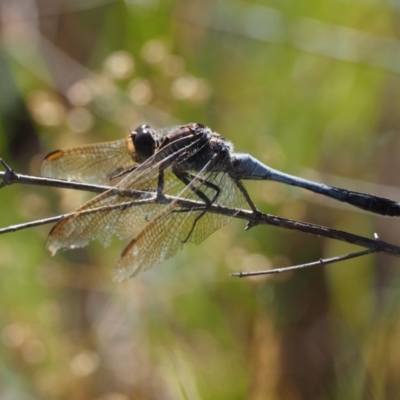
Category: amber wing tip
[53,155]
[119,276]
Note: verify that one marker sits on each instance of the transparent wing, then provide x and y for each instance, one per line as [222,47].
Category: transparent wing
[93,163]
[175,225]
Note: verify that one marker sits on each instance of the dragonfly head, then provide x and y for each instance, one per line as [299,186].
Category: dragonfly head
[141,144]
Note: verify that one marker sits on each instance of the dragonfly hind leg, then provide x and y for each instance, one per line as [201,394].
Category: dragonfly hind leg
[253,207]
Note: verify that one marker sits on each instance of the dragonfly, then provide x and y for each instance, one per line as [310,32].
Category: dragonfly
[196,167]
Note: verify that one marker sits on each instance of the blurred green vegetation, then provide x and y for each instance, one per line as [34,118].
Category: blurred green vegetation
[309,87]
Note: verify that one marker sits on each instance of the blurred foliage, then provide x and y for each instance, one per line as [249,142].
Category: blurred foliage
[309,87]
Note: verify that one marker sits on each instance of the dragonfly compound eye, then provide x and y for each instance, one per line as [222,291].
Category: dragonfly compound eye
[141,144]
[144,142]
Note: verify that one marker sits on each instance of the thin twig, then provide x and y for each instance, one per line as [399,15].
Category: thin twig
[322,261]
[38,222]
[10,177]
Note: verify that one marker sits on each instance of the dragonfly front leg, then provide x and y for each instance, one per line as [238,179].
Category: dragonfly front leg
[160,183]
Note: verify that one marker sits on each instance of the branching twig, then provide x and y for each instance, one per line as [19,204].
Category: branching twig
[373,245]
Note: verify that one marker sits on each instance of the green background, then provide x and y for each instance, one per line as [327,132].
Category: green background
[309,87]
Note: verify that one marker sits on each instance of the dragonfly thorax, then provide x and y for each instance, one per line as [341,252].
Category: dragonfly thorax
[204,150]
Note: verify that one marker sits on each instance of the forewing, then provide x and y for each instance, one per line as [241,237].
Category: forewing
[94,163]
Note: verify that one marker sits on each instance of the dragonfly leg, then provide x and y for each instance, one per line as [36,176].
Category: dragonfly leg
[188,179]
[253,207]
[160,183]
